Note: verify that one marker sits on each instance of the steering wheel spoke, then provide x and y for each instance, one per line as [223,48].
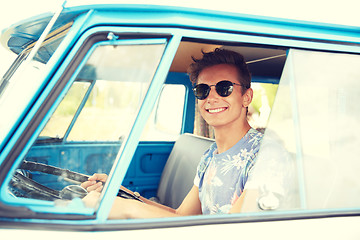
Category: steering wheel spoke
[23,186]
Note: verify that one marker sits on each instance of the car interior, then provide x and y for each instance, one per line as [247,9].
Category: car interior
[176,163]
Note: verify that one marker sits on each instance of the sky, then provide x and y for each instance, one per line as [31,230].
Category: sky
[339,12]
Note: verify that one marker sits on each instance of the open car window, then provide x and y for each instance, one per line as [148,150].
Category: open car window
[308,158]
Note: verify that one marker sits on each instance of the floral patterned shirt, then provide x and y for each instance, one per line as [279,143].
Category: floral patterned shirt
[221,178]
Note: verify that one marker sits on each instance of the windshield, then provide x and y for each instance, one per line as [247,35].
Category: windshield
[24,78]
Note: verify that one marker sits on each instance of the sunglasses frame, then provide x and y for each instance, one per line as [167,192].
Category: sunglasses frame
[207,91]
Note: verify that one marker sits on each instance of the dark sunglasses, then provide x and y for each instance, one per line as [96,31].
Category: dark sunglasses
[223,88]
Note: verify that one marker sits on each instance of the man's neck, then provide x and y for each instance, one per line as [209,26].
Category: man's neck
[227,137]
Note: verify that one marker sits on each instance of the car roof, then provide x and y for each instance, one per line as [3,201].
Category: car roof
[24,33]
[33,27]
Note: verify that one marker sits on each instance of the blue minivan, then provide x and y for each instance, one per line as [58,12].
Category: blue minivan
[104,88]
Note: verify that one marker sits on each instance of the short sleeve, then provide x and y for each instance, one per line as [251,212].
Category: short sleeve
[197,180]
[271,168]
[200,170]
[204,161]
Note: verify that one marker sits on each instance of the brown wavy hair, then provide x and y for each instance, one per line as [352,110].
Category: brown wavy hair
[221,56]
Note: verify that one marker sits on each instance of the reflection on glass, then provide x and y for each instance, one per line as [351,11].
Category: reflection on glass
[314,125]
[85,132]
[122,75]
[22,81]
[327,88]
[165,121]
[60,121]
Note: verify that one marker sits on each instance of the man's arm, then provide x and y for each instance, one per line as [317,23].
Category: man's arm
[190,205]
[128,208]
[249,205]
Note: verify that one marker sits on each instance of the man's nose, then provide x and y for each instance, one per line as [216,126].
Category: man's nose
[212,94]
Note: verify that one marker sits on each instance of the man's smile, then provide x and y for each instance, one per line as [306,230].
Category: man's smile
[216,110]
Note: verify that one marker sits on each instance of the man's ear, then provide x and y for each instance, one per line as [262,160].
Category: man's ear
[248,96]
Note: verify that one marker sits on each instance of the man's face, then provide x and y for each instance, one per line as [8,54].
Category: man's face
[222,111]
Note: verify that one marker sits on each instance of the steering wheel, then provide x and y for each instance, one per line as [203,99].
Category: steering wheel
[21,185]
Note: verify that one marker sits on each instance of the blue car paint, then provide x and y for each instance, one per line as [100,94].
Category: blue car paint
[291,32]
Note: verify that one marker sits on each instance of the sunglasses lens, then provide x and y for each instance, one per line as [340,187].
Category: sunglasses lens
[224,88]
[201,91]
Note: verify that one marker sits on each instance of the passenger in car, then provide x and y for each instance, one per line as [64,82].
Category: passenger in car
[223,89]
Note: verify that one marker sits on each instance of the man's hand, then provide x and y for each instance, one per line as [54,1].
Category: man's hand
[95,182]
[91,199]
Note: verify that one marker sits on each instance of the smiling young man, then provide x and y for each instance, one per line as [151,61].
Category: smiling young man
[222,86]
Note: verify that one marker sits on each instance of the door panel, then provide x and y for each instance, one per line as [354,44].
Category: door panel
[142,176]
[146,167]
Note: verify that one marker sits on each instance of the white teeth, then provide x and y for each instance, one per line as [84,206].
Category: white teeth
[216,110]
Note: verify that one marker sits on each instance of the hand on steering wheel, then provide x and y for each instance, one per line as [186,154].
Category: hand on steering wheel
[95,182]
[22,185]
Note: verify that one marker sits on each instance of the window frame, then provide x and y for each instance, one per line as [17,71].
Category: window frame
[73,63]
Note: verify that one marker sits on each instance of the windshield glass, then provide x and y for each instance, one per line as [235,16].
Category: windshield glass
[24,78]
